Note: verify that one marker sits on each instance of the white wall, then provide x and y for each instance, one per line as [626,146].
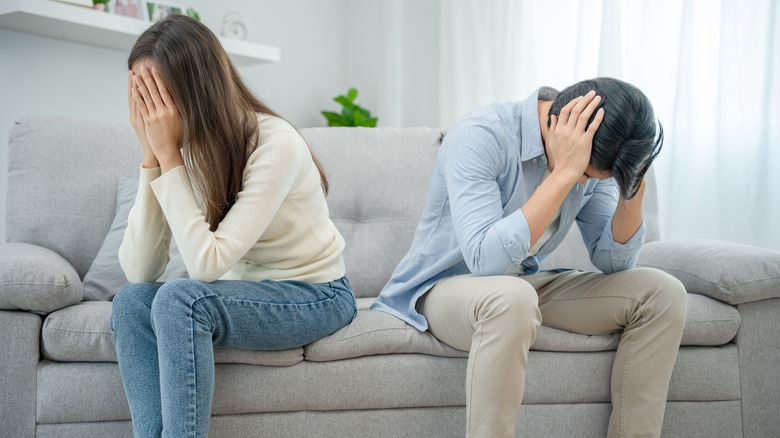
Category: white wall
[394,59]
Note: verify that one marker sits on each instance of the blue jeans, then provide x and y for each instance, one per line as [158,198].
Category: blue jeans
[165,334]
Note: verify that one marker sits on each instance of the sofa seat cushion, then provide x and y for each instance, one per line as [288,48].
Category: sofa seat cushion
[82,333]
[708,323]
[390,381]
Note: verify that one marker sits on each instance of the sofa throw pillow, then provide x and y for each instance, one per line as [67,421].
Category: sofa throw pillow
[105,276]
[36,279]
[730,272]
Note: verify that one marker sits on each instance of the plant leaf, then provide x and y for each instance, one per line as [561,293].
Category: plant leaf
[344,101]
[348,117]
[334,119]
[371,123]
[360,118]
[352,94]
[366,113]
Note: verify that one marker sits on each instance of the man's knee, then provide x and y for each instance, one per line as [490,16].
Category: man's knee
[669,296]
[510,298]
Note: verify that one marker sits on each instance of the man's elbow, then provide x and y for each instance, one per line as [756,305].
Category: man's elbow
[482,269]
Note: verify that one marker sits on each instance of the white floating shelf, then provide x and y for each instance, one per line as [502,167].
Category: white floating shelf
[68,22]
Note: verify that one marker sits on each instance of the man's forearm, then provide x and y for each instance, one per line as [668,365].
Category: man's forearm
[543,205]
[628,216]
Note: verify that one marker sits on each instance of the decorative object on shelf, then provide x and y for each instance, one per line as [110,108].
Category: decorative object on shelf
[100,5]
[193,13]
[234,26]
[158,10]
[352,114]
[130,8]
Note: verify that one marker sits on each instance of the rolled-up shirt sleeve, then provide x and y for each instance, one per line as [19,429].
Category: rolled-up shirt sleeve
[490,243]
[595,223]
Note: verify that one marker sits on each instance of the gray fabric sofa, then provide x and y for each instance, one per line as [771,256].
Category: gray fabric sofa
[376,377]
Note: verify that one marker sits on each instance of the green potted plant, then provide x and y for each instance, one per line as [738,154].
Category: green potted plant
[100,5]
[351,114]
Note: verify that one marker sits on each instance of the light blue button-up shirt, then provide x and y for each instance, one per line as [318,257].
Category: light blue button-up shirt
[488,166]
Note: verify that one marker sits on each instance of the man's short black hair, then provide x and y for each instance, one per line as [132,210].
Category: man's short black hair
[627,140]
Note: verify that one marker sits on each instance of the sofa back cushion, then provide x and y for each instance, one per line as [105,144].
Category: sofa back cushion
[378,181]
[62,179]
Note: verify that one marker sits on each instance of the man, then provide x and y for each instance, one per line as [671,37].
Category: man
[510,180]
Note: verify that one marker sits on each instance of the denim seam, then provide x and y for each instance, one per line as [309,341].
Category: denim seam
[192,409]
[264,303]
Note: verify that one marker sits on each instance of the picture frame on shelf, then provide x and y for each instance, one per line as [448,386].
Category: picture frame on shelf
[157,10]
[129,8]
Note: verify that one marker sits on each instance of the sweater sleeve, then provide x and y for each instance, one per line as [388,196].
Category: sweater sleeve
[143,253]
[270,175]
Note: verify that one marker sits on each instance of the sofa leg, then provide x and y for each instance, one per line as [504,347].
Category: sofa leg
[20,334]
[759,350]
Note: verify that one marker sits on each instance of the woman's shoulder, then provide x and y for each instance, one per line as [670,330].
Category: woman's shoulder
[276,135]
[268,124]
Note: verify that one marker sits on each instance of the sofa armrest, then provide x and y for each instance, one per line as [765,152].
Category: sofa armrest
[36,279]
[728,272]
[20,334]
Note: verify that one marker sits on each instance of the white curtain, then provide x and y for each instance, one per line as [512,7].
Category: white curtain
[710,67]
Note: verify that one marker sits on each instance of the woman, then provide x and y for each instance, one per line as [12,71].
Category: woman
[244,197]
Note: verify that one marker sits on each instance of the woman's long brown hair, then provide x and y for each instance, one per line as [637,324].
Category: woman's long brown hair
[218,110]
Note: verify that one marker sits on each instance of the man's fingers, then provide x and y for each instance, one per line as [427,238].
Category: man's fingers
[581,104]
[564,115]
[582,119]
[594,125]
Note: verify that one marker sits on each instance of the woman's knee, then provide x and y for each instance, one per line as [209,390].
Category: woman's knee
[132,302]
[177,297]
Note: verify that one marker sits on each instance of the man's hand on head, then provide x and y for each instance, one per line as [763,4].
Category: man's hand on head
[571,138]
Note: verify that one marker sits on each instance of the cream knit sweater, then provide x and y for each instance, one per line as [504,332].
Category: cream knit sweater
[279,227]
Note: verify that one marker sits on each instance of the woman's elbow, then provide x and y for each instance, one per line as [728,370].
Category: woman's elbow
[204,275]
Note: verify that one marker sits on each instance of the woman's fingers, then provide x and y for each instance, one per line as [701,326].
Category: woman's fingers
[130,89]
[165,97]
[151,87]
[140,103]
[143,92]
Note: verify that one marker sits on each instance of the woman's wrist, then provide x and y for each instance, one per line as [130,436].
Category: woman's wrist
[169,162]
[150,162]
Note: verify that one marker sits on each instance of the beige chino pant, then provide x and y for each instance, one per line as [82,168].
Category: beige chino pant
[496,318]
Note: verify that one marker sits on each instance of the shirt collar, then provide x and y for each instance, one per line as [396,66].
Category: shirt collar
[531,136]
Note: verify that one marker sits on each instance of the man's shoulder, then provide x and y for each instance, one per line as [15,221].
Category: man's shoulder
[501,113]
